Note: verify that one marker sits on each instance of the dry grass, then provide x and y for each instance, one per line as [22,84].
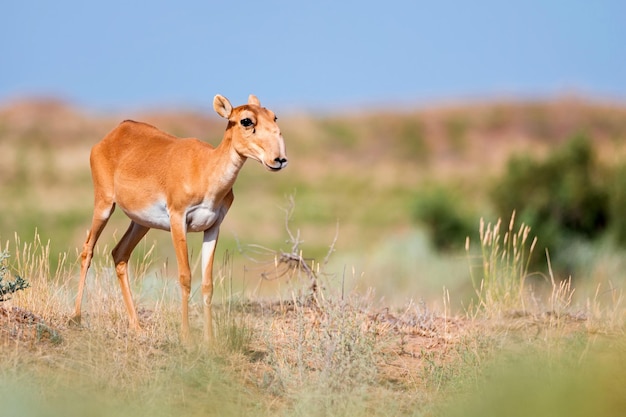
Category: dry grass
[329,353]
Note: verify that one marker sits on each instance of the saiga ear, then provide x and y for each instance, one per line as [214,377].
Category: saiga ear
[252,99]
[222,106]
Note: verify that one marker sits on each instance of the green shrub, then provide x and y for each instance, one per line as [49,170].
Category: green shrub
[9,287]
[439,210]
[560,197]
[617,203]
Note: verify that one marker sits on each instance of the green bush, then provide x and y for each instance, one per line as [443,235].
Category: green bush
[9,287]
[561,197]
[439,210]
[617,203]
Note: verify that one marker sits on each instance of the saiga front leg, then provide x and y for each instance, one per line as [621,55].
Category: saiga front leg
[179,239]
[209,242]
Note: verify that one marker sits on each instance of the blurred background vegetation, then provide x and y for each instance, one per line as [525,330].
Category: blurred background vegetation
[398,191]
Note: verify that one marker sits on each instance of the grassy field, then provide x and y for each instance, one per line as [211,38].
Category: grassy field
[333,353]
[396,328]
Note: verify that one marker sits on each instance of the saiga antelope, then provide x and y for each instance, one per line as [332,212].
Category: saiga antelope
[180,185]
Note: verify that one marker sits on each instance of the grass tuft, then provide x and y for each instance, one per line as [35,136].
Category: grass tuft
[505,258]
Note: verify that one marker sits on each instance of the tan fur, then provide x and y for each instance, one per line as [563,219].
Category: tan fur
[181,185]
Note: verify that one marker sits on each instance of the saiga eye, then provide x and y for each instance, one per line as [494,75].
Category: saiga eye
[246,122]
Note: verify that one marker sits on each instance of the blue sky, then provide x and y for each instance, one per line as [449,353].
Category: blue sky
[321,54]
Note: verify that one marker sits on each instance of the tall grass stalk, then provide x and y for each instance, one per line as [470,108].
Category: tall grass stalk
[31,261]
[562,292]
[505,258]
[605,310]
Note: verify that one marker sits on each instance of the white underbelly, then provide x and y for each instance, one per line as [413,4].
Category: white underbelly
[157,216]
[201,217]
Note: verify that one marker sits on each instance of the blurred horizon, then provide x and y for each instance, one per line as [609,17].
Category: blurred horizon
[311,57]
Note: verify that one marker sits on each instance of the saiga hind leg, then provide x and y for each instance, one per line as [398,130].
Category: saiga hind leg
[121,254]
[97,225]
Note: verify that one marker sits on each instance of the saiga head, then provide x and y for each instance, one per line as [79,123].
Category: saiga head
[255,133]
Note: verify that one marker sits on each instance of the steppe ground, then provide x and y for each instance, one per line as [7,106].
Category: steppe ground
[395,328]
